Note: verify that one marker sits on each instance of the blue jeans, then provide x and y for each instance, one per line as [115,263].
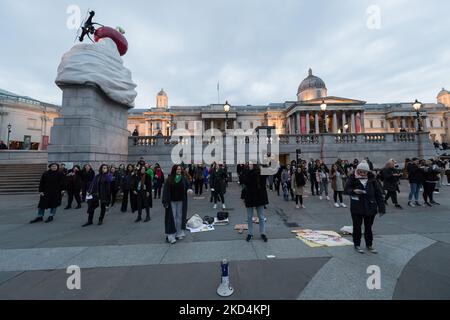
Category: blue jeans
[177,210]
[415,189]
[262,223]
[41,212]
[324,187]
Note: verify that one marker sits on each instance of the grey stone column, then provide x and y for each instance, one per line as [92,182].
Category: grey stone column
[363,124]
[297,123]
[335,122]
[308,125]
[344,120]
[404,126]
[316,122]
[353,122]
[396,124]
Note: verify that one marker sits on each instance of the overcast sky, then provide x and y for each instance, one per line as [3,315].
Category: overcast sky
[259,50]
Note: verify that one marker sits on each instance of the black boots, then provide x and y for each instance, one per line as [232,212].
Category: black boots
[49,219]
[38,219]
[147,219]
[78,206]
[89,223]
[139,219]
[68,208]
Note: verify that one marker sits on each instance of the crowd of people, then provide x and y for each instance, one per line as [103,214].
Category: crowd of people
[139,185]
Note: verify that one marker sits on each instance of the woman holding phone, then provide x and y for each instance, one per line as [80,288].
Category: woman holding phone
[367,201]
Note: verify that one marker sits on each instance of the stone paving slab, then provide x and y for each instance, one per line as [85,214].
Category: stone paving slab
[347,271]
[252,280]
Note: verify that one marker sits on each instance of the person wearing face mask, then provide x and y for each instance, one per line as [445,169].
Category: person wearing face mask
[367,201]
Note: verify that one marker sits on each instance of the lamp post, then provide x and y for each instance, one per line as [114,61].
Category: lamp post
[9,132]
[323,107]
[226,108]
[417,106]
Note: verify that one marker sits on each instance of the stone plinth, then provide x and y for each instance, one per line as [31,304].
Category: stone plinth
[92,129]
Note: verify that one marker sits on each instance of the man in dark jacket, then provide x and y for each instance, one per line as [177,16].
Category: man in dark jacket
[51,188]
[366,202]
[254,194]
[390,179]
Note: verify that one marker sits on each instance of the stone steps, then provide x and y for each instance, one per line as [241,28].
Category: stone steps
[20,178]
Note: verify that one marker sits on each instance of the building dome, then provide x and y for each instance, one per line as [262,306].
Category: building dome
[162,93]
[311,88]
[443,92]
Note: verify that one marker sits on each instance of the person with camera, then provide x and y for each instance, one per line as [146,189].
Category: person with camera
[390,176]
[366,202]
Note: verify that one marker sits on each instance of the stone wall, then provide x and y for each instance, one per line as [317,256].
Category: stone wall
[23,156]
[329,147]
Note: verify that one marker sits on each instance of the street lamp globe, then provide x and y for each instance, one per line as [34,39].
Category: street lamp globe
[346,127]
[323,106]
[226,107]
[417,105]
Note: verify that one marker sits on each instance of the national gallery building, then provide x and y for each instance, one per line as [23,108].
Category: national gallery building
[314,112]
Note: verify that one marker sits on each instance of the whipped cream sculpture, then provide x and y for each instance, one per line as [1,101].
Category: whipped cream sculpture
[99,63]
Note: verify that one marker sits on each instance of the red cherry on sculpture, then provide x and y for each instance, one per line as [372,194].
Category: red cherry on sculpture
[118,38]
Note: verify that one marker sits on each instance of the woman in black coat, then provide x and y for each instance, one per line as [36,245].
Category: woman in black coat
[254,194]
[142,189]
[125,186]
[173,198]
[99,195]
[218,184]
[366,202]
[73,187]
[87,176]
[51,189]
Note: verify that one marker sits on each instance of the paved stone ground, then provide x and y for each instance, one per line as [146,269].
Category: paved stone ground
[124,260]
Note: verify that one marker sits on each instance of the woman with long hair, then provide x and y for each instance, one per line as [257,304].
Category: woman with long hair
[299,179]
[142,189]
[99,195]
[173,196]
[87,175]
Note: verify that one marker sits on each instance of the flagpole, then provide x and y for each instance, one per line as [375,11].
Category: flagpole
[218,92]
